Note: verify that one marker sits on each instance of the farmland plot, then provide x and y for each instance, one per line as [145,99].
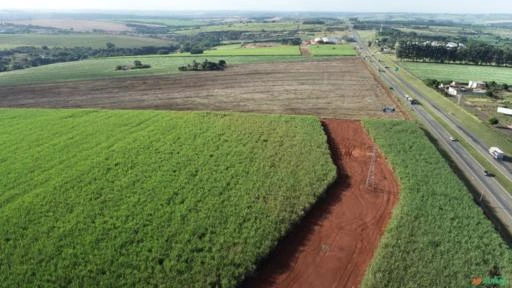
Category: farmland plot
[337,88]
[437,236]
[77,40]
[456,72]
[333,244]
[143,198]
[333,50]
[75,25]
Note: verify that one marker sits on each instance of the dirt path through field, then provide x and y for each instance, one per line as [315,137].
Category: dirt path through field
[334,244]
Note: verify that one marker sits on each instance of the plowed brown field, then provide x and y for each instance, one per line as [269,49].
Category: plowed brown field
[341,88]
[334,244]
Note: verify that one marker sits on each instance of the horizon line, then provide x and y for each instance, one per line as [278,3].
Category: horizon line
[132,10]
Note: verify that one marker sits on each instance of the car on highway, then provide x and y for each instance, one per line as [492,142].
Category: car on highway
[453,139]
[488,174]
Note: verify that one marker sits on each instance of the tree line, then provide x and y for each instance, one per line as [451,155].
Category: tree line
[137,64]
[26,57]
[389,37]
[475,52]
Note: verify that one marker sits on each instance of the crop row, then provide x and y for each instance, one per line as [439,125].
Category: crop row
[437,237]
[143,198]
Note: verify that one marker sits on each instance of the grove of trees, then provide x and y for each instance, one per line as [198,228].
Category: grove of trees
[475,52]
[204,66]
[26,57]
[137,64]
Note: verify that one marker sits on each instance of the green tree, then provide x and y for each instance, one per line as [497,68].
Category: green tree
[110,45]
[196,50]
[494,121]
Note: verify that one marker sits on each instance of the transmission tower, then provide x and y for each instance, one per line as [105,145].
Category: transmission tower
[370,180]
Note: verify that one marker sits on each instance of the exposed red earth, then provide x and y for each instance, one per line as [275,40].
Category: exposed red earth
[337,239]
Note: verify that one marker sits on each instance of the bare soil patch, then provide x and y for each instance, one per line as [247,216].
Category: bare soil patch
[336,240]
[342,88]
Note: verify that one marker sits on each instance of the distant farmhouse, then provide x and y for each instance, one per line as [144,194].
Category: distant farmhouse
[455,88]
[477,86]
[449,45]
[325,40]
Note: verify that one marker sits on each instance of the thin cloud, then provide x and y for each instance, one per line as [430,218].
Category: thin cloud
[432,6]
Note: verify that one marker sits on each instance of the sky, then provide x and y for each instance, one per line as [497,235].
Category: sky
[430,6]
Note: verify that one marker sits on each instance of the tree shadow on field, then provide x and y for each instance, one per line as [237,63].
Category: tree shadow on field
[483,204]
[282,257]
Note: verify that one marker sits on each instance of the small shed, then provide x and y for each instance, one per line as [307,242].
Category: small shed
[477,85]
[506,111]
[453,91]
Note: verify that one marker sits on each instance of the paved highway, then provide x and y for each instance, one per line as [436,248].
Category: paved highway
[499,199]
[504,167]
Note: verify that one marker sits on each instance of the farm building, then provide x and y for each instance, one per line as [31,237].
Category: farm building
[455,84]
[452,45]
[453,91]
[477,85]
[325,40]
[506,111]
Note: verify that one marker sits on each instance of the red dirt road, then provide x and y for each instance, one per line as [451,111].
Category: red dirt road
[336,240]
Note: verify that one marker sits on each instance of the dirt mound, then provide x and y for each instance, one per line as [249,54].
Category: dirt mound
[334,244]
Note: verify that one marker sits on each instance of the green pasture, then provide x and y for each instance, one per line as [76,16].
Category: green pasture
[332,50]
[252,27]
[456,72]
[239,50]
[164,21]
[77,40]
[105,68]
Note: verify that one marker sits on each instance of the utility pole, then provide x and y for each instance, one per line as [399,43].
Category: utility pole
[370,179]
[459,98]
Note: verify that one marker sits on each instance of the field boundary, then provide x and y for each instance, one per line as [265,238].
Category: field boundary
[329,247]
[391,95]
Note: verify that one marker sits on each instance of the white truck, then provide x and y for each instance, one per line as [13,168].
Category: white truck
[496,153]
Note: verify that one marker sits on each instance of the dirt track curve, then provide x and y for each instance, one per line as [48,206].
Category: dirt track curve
[336,240]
